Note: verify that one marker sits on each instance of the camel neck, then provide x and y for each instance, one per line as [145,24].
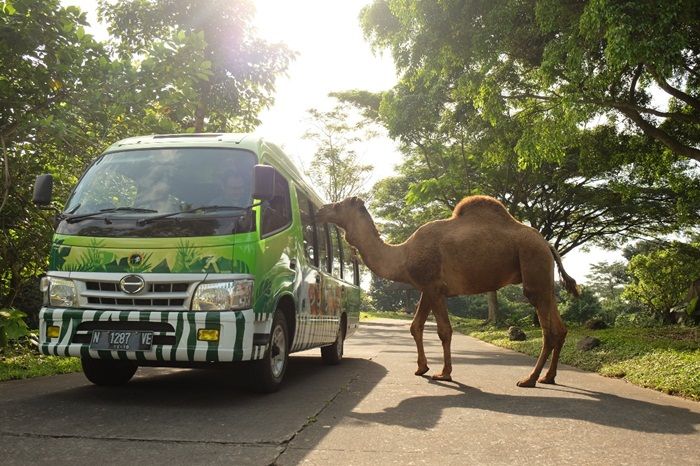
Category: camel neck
[384,260]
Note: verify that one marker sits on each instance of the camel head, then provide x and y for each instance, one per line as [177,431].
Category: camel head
[341,213]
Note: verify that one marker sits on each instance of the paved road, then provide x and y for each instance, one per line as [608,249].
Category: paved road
[368,410]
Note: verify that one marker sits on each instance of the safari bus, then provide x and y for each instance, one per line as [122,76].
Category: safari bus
[192,250]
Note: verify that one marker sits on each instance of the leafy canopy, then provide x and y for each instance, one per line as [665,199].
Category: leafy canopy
[555,65]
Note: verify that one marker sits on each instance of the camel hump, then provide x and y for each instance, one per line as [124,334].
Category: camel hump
[480,204]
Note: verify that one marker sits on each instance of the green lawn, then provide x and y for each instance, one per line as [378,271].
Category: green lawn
[663,358]
[31,364]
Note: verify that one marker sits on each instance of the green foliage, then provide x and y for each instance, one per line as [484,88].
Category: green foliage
[49,71]
[554,65]
[662,277]
[12,326]
[579,310]
[607,279]
[640,319]
[336,168]
[392,296]
[203,68]
[600,191]
[64,97]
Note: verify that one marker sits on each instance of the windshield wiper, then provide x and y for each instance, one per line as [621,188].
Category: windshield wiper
[205,208]
[78,218]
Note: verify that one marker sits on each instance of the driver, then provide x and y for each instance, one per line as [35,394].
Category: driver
[232,191]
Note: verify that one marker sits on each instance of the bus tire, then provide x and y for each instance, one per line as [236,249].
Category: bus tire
[269,371]
[108,372]
[333,354]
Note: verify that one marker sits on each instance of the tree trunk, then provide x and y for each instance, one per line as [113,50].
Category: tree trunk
[493,316]
[200,112]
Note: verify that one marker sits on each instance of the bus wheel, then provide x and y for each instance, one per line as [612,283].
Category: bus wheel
[108,372]
[333,354]
[270,370]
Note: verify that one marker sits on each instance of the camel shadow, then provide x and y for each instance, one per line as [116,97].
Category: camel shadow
[424,412]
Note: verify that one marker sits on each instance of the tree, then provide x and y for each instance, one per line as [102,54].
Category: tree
[607,187]
[607,279]
[201,65]
[336,168]
[661,278]
[49,70]
[556,64]
[64,97]
[603,190]
[392,296]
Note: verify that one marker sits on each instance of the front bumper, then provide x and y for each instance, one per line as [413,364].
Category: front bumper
[175,341]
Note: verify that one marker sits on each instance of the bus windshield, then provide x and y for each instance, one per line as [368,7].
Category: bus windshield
[164,181]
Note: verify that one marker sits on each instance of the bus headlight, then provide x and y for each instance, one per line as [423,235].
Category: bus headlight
[62,292]
[223,296]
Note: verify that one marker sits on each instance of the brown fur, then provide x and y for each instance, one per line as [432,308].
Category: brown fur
[477,204]
[480,248]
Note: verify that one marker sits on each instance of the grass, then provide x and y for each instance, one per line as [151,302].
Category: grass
[662,358]
[32,364]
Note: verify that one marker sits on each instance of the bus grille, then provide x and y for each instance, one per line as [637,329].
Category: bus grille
[155,296]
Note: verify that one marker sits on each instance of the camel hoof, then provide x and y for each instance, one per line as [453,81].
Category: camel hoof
[526,383]
[547,380]
[446,378]
[422,371]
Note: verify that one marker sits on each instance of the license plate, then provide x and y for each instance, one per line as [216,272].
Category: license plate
[124,340]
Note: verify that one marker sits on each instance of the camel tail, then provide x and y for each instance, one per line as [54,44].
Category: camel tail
[569,282]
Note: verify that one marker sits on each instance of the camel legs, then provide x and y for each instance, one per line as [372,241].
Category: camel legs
[417,326]
[553,336]
[444,329]
[558,344]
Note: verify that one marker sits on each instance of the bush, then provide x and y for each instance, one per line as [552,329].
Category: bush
[12,326]
[639,320]
[579,310]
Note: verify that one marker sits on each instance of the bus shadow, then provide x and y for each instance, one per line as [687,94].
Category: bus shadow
[188,404]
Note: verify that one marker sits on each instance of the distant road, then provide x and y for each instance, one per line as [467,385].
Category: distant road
[370,410]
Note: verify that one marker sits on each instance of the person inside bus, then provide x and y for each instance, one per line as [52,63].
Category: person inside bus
[233,191]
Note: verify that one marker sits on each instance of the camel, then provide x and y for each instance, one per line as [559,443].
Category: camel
[480,248]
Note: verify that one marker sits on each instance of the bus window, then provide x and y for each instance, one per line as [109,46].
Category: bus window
[348,268]
[336,255]
[307,227]
[324,258]
[356,270]
[278,214]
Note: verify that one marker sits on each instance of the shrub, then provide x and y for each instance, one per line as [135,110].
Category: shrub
[12,326]
[579,310]
[639,319]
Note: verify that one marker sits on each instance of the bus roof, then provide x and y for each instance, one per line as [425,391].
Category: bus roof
[266,150]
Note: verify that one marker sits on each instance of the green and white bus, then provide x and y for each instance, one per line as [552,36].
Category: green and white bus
[190,250]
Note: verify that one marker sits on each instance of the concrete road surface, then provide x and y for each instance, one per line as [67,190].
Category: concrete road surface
[370,410]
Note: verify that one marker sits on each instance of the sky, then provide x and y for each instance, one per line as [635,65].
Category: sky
[332,55]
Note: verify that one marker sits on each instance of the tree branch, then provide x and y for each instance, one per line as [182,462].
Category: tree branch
[658,134]
[6,173]
[677,93]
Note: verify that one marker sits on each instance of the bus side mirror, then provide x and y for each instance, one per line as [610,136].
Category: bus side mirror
[43,190]
[263,182]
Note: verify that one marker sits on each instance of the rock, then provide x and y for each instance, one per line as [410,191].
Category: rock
[516,334]
[595,324]
[587,343]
